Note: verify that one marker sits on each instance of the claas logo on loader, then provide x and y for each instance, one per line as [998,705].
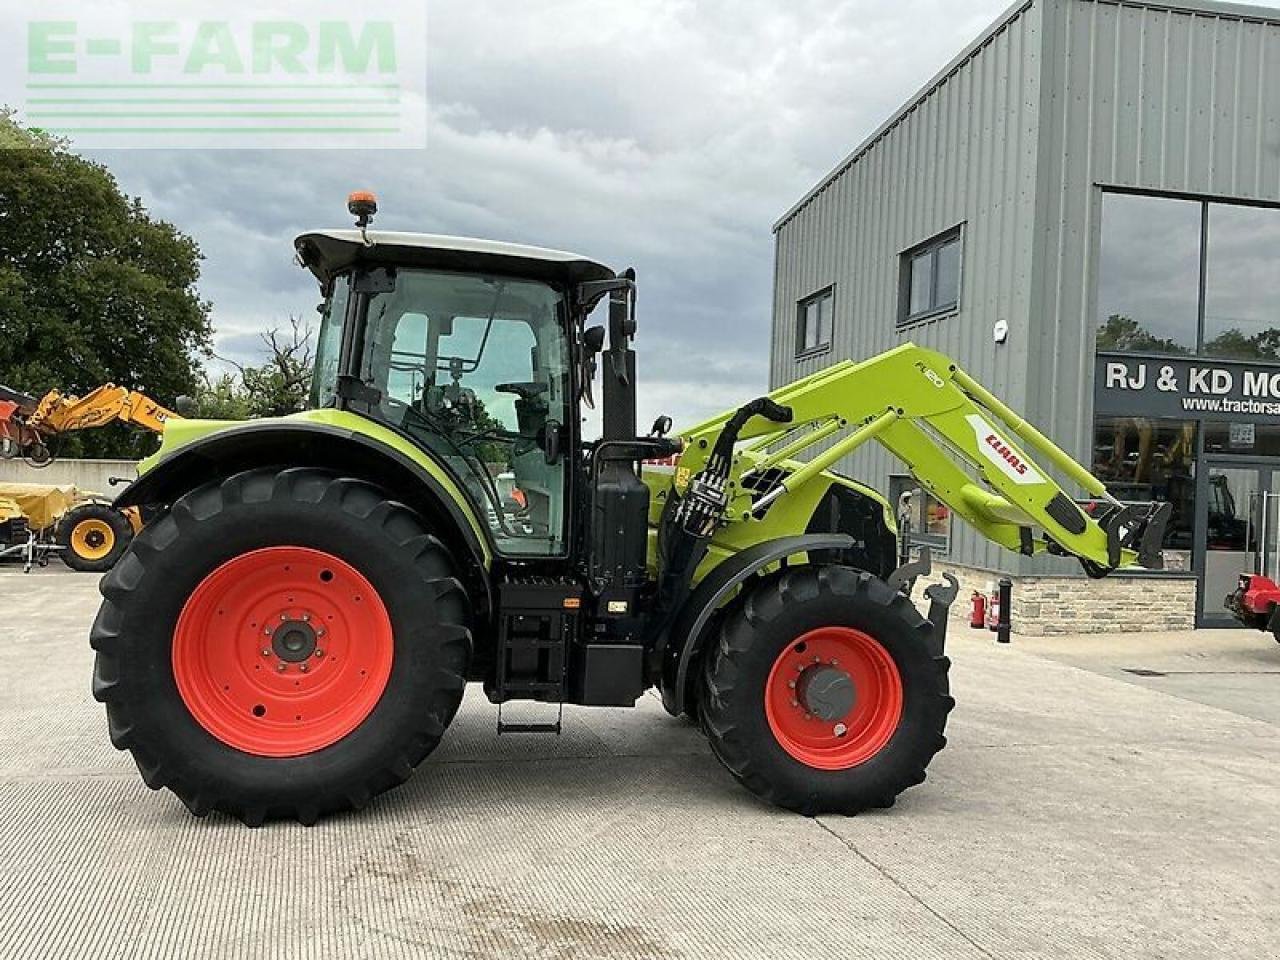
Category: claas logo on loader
[998,451]
[1011,458]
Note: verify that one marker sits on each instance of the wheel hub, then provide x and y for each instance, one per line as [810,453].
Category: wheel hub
[834,698]
[282,651]
[826,692]
[92,539]
[294,641]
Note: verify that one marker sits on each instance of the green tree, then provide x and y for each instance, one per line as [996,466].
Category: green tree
[1233,344]
[280,386]
[221,397]
[92,288]
[1124,333]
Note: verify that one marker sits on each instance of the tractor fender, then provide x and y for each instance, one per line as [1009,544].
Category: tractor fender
[325,446]
[689,629]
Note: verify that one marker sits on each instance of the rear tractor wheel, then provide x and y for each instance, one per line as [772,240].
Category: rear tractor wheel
[825,693]
[93,537]
[281,644]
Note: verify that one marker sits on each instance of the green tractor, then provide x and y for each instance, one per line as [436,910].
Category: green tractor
[293,632]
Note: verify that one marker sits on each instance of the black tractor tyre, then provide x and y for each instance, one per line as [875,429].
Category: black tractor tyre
[93,537]
[759,630]
[413,575]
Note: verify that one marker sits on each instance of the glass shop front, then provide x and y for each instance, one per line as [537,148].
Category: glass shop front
[1187,379]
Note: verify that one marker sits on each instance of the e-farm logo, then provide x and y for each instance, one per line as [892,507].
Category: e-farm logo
[293,74]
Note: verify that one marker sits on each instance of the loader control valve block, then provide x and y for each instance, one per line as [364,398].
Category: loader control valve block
[703,506]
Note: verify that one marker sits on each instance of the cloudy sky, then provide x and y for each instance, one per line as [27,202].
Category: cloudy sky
[667,135]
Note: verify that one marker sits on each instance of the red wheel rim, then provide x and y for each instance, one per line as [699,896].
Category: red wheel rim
[849,737]
[282,651]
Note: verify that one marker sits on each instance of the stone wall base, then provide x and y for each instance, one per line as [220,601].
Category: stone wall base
[1044,605]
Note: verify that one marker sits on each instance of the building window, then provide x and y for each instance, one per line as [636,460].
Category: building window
[923,519]
[1242,439]
[813,322]
[1242,283]
[931,278]
[1149,274]
[1141,459]
[1183,277]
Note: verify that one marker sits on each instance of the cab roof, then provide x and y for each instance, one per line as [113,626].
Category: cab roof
[329,252]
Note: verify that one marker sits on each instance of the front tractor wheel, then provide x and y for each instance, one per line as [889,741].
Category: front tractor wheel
[825,693]
[281,644]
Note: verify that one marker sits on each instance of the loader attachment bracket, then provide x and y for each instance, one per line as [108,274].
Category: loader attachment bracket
[941,596]
[905,575]
[1138,527]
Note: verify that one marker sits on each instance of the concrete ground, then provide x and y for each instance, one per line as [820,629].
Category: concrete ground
[1080,811]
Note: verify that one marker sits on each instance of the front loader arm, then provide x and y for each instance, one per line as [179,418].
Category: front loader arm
[957,439]
[57,413]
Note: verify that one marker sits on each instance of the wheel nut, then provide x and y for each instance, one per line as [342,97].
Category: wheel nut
[791,684]
[306,618]
[320,632]
[266,631]
[302,667]
[795,703]
[284,617]
[319,654]
[266,651]
[280,668]
[840,730]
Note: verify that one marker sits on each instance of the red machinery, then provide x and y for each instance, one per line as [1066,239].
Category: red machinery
[1256,603]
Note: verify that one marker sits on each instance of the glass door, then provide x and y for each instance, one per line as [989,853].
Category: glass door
[1239,528]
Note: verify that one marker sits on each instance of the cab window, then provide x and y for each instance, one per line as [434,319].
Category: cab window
[476,369]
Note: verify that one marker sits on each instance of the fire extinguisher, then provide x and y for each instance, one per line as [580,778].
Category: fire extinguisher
[977,610]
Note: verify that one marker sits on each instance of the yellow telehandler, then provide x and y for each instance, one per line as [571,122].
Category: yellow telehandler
[40,519]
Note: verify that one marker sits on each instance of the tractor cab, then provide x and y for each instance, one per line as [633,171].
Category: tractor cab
[476,351]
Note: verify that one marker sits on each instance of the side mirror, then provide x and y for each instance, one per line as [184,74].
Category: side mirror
[661,427]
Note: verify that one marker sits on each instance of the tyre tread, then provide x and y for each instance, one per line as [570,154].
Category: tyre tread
[723,674]
[358,499]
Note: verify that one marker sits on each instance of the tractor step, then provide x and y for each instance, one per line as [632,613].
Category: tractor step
[529,725]
[537,620]
[529,728]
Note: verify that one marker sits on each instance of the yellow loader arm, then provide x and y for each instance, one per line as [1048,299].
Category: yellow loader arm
[27,423]
[965,446]
[57,413]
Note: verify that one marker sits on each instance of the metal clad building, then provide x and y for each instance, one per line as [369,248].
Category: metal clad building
[984,199]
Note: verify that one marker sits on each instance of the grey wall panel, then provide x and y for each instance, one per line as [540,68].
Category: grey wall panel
[965,152]
[1175,98]
[1016,139]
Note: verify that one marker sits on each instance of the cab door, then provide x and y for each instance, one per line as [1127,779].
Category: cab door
[477,371]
